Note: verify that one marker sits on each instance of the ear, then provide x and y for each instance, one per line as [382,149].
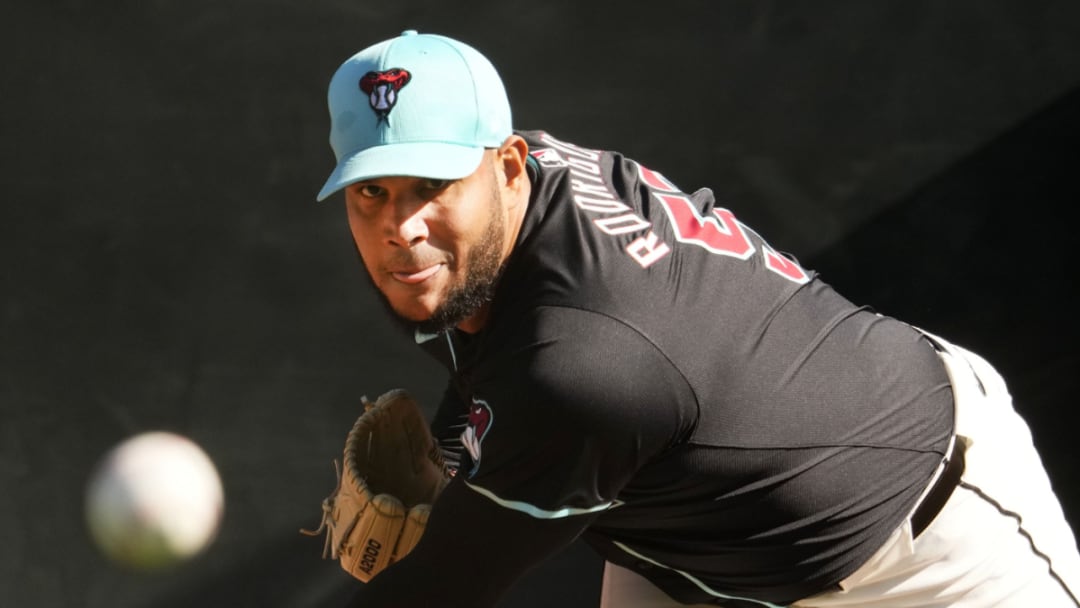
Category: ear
[511,160]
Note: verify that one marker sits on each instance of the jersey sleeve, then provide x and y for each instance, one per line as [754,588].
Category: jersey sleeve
[471,552]
[561,422]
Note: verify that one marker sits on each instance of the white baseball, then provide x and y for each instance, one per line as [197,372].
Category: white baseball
[154,500]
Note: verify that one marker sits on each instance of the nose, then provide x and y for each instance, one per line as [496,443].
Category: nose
[407,225]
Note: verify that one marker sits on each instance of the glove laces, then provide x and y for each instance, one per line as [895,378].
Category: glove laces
[327,522]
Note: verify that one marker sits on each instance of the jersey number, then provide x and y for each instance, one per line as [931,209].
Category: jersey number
[722,234]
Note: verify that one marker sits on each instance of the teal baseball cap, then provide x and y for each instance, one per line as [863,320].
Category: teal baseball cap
[417,105]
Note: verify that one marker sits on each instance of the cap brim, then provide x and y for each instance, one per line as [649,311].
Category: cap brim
[434,160]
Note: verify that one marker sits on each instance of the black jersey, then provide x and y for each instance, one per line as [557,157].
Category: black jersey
[726,423]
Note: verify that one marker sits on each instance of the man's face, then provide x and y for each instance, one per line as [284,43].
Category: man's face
[433,248]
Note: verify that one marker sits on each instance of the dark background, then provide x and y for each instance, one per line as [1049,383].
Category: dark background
[163,263]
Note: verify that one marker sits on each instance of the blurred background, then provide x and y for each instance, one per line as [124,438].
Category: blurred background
[164,265]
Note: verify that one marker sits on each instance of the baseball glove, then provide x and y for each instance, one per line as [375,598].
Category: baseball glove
[392,473]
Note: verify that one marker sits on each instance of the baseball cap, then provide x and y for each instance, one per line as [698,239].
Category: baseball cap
[420,105]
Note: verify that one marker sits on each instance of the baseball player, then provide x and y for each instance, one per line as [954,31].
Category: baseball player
[632,365]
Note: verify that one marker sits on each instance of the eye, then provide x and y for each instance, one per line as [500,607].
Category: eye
[429,183]
[370,190]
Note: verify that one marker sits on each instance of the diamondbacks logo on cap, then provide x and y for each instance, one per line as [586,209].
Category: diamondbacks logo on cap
[382,89]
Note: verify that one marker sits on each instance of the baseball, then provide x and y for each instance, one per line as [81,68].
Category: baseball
[154,500]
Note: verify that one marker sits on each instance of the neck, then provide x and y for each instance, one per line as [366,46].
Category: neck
[477,321]
[519,203]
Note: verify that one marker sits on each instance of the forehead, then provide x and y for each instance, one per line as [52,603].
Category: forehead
[403,180]
[482,169]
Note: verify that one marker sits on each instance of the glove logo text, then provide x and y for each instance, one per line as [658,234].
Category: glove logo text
[371,554]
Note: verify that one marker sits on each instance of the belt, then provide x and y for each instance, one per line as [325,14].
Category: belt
[939,494]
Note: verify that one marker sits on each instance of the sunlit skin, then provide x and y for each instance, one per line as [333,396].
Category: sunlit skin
[418,236]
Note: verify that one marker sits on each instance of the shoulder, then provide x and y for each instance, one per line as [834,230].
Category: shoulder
[588,362]
[573,383]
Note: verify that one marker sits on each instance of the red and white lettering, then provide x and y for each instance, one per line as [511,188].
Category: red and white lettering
[647,249]
[655,180]
[783,266]
[721,234]
[621,224]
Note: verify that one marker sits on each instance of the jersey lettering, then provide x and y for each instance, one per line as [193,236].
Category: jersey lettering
[655,180]
[722,234]
[599,205]
[588,167]
[591,193]
[621,224]
[783,266]
[648,249]
[578,185]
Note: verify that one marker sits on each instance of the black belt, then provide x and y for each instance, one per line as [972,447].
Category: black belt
[943,488]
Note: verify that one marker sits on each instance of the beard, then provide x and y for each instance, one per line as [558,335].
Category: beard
[483,267]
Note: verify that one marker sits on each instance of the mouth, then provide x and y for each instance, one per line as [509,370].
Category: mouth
[413,277]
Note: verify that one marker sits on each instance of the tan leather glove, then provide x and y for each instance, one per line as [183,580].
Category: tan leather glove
[392,474]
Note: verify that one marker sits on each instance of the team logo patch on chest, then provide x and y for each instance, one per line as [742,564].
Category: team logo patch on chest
[480,419]
[382,90]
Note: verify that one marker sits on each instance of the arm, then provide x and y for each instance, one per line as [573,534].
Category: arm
[573,419]
[472,551]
